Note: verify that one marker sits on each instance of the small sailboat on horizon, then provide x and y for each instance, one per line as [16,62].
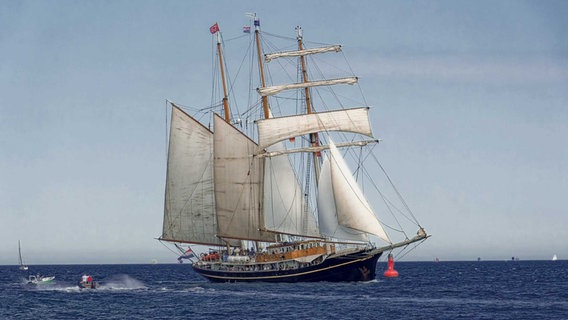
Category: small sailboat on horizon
[20,260]
[554,258]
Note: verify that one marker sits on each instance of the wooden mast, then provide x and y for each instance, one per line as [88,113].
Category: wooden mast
[260,66]
[266,113]
[225,96]
[313,136]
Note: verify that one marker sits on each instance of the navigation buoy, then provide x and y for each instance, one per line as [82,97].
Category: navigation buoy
[391,273]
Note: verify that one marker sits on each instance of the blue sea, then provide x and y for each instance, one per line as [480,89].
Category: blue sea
[423,290]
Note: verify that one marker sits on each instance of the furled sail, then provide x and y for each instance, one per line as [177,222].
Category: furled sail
[353,210]
[284,203]
[263,154]
[189,208]
[273,130]
[298,53]
[327,212]
[272,90]
[237,181]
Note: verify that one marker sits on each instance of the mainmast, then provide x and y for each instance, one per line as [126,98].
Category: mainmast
[260,66]
[313,136]
[264,104]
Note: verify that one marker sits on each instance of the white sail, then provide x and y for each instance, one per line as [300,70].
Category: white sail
[237,183]
[298,53]
[189,209]
[353,210]
[273,130]
[272,90]
[327,212]
[284,203]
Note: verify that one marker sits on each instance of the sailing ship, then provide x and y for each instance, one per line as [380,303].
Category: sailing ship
[20,261]
[277,201]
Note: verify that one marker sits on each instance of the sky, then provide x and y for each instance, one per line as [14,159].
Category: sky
[471,97]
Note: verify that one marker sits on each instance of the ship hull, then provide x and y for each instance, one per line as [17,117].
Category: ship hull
[359,266]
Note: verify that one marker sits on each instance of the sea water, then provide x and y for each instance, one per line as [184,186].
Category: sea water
[423,290]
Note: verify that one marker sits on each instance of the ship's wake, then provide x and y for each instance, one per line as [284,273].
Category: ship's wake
[121,282]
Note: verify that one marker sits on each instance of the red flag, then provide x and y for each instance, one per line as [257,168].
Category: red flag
[214,28]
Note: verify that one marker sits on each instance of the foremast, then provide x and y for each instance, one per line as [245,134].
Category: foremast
[222,69]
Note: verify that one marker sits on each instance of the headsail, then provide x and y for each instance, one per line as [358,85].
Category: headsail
[189,209]
[327,211]
[353,210]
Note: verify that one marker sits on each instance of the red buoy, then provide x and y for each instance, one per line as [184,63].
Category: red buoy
[391,273]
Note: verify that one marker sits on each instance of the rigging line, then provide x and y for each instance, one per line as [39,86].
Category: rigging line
[167,247]
[235,38]
[353,73]
[415,245]
[396,190]
[278,36]
[390,205]
[294,39]
[193,109]
[232,83]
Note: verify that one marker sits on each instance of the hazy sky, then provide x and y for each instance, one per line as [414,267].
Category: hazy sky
[470,98]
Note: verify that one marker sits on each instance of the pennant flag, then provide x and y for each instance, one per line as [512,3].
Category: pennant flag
[214,28]
[246,29]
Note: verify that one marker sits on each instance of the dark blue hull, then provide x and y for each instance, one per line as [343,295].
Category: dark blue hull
[359,266]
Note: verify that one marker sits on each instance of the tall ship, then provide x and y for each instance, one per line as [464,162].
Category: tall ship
[279,191]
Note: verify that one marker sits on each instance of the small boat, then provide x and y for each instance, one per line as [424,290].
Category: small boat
[554,258]
[87,282]
[40,280]
[20,261]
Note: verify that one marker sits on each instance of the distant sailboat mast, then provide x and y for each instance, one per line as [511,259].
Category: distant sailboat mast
[20,260]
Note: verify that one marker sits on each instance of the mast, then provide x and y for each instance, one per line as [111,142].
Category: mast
[264,107]
[225,96]
[313,136]
[260,66]
[20,253]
